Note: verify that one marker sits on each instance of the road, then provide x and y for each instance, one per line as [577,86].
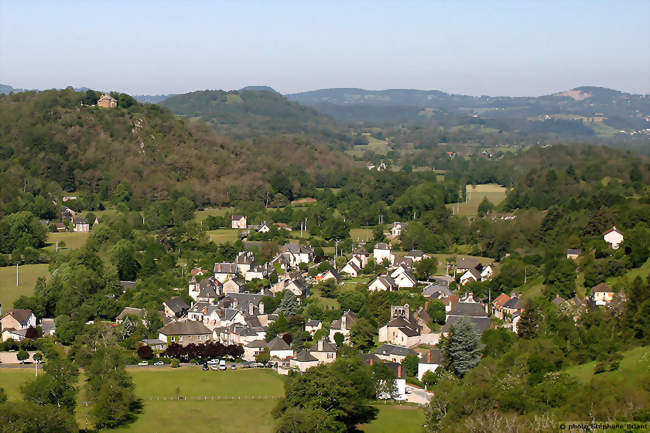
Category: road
[417,395]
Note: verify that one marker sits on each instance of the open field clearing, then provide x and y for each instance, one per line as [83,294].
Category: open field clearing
[229,407]
[215,211]
[221,236]
[634,365]
[361,234]
[27,276]
[73,240]
[475,194]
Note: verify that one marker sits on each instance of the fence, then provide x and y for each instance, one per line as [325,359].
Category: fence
[211,397]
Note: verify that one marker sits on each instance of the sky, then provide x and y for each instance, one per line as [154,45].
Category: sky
[497,48]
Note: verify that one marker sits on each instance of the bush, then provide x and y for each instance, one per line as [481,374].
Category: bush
[175,363]
[145,352]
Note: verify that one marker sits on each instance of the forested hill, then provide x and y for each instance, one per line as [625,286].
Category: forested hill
[246,113]
[617,110]
[57,140]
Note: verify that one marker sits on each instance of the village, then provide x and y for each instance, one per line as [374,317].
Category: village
[215,315]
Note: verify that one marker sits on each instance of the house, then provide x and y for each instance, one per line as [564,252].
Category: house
[469,276]
[473,312]
[312,325]
[175,307]
[392,353]
[293,282]
[107,101]
[415,255]
[383,253]
[130,311]
[430,361]
[239,222]
[185,332]
[400,379]
[343,326]
[573,253]
[614,237]
[396,230]
[303,361]
[60,227]
[80,224]
[234,285]
[298,254]
[207,290]
[14,334]
[48,326]
[324,350]
[464,264]
[264,228]
[244,261]
[498,305]
[401,329]
[278,348]
[259,272]
[405,280]
[249,304]
[361,256]
[225,271]
[404,262]
[330,274]
[254,348]
[450,302]
[351,268]
[154,343]
[515,305]
[602,294]
[17,319]
[436,291]
[383,284]
[487,272]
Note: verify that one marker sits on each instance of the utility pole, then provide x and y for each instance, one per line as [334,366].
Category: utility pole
[16,274]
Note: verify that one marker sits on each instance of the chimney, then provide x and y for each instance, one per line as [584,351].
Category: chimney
[399,371]
[261,307]
[234,303]
[320,344]
[372,362]
[344,322]
[250,308]
[429,357]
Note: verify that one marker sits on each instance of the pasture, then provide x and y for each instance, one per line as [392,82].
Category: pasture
[475,194]
[215,211]
[73,240]
[221,236]
[231,411]
[27,276]
[634,365]
[362,234]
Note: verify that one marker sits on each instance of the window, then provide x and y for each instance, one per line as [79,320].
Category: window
[173,339]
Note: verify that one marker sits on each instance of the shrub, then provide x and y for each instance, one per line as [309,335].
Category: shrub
[175,363]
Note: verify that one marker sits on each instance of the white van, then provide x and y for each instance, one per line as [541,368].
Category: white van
[222,365]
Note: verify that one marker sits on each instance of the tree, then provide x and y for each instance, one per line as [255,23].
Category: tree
[378,234]
[425,268]
[145,352]
[362,334]
[437,311]
[263,356]
[58,386]
[410,364]
[123,255]
[384,380]
[289,305]
[339,339]
[463,347]
[637,245]
[530,323]
[3,395]
[484,207]
[337,394]
[21,230]
[430,378]
[22,356]
[28,417]
[328,288]
[560,277]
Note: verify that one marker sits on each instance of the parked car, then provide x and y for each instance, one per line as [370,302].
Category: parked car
[214,367]
[399,397]
[213,361]
[158,363]
[222,365]
[143,363]
[205,367]
[233,367]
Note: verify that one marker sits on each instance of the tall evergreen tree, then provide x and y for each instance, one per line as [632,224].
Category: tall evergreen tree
[289,304]
[463,347]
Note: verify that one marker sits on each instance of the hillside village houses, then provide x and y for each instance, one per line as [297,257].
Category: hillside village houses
[106,101]
[383,253]
[239,222]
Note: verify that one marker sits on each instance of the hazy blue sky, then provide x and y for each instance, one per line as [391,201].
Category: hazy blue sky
[473,47]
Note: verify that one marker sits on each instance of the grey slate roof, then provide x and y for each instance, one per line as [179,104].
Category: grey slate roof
[305,356]
[480,323]
[468,309]
[130,311]
[430,290]
[278,344]
[185,327]
[514,303]
[391,349]
[177,305]
[225,268]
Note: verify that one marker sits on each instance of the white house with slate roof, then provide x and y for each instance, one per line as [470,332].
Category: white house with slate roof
[473,312]
[392,352]
[324,350]
[303,361]
[278,348]
[383,252]
[239,222]
[614,237]
[430,361]
[351,268]
[383,284]
[343,326]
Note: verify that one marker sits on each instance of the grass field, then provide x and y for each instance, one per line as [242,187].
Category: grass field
[475,194]
[221,236]
[626,279]
[73,240]
[634,365]
[224,416]
[361,234]
[216,211]
[27,275]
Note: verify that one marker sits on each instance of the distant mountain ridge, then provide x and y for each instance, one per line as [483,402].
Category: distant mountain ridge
[622,109]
